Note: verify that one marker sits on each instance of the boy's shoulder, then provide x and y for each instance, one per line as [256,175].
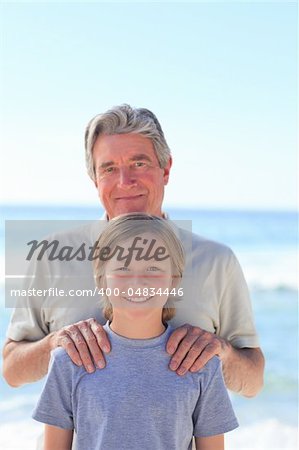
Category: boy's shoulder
[213,364]
[208,372]
[59,354]
[62,366]
[60,358]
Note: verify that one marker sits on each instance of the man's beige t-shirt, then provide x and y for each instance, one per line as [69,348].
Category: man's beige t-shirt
[215,293]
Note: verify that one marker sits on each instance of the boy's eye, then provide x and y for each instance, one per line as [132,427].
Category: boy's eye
[121,269]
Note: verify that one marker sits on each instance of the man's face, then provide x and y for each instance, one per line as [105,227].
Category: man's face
[128,175]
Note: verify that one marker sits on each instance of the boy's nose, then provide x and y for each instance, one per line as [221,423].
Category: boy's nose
[138,280]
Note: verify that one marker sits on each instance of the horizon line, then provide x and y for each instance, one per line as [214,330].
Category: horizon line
[167,207]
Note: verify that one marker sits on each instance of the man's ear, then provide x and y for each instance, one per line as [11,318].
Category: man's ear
[93,177]
[94,180]
[167,170]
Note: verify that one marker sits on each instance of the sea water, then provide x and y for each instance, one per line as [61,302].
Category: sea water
[266,246]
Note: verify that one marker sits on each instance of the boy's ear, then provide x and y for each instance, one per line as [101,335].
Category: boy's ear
[100,282]
[102,279]
[176,279]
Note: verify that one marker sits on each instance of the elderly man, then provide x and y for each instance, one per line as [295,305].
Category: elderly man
[129,161]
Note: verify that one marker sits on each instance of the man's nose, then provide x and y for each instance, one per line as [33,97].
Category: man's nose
[126,177]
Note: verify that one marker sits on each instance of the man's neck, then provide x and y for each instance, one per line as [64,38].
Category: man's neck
[162,214]
[142,327]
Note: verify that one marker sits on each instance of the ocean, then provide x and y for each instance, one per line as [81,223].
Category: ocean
[266,246]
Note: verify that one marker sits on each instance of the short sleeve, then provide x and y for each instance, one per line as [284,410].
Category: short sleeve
[236,323]
[27,320]
[54,406]
[213,413]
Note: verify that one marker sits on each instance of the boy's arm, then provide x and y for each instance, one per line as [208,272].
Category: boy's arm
[57,438]
[210,443]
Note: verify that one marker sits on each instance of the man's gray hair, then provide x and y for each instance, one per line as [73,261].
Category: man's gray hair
[121,120]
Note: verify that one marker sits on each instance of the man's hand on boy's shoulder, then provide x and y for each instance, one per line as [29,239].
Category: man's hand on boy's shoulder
[84,342]
[191,348]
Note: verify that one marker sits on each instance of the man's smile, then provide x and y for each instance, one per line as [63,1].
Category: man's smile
[129,197]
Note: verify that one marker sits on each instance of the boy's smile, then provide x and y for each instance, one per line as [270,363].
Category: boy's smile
[138,299]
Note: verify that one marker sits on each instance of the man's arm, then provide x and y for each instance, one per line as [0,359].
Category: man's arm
[192,348]
[25,362]
[210,443]
[57,438]
[243,369]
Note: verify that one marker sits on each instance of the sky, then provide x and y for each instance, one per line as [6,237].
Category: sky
[220,76]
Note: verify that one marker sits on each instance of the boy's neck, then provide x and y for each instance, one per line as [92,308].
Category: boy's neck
[147,327]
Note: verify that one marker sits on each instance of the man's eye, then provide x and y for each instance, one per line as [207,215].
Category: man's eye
[106,171]
[139,164]
[109,170]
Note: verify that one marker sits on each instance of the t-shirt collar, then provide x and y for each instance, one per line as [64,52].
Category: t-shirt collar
[139,343]
[105,216]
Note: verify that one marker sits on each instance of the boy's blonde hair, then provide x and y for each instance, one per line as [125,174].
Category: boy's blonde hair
[129,226]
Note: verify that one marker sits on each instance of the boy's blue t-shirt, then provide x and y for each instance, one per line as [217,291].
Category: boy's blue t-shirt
[136,402]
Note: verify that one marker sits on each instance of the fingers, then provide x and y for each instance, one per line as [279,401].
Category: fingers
[78,339]
[66,342]
[83,342]
[184,346]
[205,356]
[195,348]
[101,335]
[175,339]
[93,347]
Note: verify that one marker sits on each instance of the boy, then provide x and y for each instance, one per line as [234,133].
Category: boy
[136,402]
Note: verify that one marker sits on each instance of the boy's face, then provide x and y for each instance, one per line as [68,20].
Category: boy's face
[139,285]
